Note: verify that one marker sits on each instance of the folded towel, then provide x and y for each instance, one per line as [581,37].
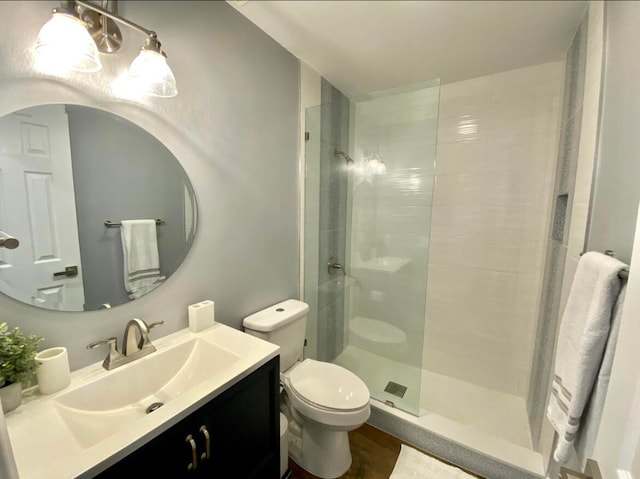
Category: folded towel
[140,252]
[584,330]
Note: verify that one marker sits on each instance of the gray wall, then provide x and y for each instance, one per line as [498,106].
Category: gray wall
[334,134]
[617,181]
[121,172]
[557,242]
[234,127]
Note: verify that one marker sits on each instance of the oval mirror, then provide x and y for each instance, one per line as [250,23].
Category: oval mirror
[69,176]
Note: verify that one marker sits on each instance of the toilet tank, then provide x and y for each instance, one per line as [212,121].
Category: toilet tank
[283,324]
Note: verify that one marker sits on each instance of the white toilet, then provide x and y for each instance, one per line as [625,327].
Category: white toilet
[322,401]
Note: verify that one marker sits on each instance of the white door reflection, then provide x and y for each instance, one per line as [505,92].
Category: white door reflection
[37,205]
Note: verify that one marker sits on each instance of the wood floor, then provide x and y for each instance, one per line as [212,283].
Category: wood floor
[374,454]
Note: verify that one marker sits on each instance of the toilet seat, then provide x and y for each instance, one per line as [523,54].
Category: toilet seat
[327,393]
[328,385]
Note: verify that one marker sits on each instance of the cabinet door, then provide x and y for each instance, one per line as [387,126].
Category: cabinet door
[168,455]
[244,427]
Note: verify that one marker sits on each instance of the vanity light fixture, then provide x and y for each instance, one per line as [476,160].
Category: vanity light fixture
[78,30]
[64,43]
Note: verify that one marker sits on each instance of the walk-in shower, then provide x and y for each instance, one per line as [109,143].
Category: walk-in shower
[440,226]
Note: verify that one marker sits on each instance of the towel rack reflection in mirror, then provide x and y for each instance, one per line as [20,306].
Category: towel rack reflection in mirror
[115,224]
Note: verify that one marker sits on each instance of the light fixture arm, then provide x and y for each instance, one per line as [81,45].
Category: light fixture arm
[117,18]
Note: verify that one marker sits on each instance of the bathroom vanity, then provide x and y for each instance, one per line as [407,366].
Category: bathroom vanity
[231,436]
[218,417]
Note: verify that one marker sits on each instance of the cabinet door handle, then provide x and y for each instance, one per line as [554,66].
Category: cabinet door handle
[194,454]
[207,441]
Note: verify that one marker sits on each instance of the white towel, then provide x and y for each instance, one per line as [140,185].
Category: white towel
[140,252]
[588,434]
[583,334]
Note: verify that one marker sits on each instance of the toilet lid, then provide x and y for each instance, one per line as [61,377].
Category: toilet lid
[328,385]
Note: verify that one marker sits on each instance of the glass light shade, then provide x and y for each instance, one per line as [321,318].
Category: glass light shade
[150,74]
[375,165]
[65,44]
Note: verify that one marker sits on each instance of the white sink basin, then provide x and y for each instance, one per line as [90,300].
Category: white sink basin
[98,409]
[382,264]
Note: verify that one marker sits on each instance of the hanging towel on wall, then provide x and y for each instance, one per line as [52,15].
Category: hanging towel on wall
[140,252]
[584,330]
[586,439]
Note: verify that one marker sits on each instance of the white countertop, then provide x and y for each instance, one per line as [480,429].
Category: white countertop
[44,447]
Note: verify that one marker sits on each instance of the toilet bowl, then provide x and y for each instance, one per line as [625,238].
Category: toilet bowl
[327,394]
[322,401]
[325,401]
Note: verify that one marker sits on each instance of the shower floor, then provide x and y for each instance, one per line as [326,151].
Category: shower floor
[492,412]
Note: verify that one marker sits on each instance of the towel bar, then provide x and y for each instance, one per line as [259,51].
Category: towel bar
[624,274]
[115,224]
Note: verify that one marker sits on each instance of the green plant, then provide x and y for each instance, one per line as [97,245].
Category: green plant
[17,353]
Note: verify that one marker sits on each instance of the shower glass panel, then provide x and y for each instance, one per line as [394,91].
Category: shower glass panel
[372,217]
[311,243]
[393,141]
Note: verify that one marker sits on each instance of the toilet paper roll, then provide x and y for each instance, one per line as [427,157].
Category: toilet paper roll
[201,316]
[52,370]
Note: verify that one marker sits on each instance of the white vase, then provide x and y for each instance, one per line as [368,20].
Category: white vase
[11,396]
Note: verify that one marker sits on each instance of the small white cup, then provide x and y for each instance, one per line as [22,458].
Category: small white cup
[53,370]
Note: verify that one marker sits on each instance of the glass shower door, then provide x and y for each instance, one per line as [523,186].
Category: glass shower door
[393,141]
[311,234]
[371,216]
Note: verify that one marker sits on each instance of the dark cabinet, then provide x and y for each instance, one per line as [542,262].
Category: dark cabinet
[236,435]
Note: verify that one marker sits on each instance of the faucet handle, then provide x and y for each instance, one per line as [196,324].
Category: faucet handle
[113,356]
[145,342]
[112,342]
[153,325]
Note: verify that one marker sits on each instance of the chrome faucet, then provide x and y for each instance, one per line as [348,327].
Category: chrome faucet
[135,346]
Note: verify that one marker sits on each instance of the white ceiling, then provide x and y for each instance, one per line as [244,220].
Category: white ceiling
[366,46]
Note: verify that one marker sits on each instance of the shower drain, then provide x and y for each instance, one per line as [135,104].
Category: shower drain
[395,389]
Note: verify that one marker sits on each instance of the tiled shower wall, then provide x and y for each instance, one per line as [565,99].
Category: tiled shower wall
[576,157]
[325,117]
[558,237]
[495,164]
[334,134]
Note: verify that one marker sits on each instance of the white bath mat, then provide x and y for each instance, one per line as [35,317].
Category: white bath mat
[413,464]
